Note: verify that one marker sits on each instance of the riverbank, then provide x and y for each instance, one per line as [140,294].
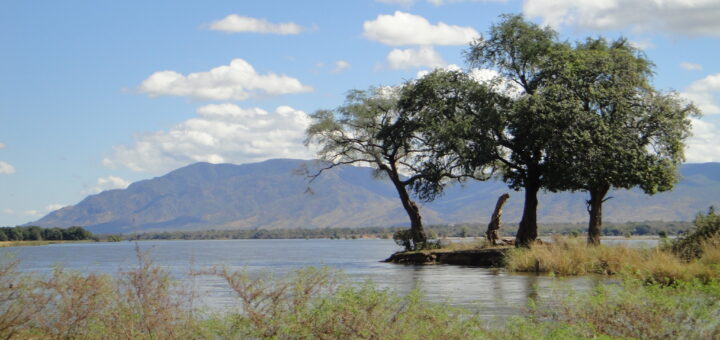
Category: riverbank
[484,257]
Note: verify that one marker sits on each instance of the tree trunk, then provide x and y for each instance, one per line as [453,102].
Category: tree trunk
[527,231]
[494,226]
[597,196]
[413,211]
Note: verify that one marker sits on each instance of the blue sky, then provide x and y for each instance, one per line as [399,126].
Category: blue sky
[95,95]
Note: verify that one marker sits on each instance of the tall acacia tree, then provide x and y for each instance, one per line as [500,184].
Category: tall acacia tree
[367,130]
[622,133]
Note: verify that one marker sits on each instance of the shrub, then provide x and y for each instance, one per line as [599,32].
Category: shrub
[690,246]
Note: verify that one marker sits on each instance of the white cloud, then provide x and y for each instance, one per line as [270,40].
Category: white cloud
[8,211]
[2,145]
[236,81]
[691,66]
[685,17]
[107,183]
[32,213]
[340,65]
[704,145]
[408,3]
[404,3]
[445,2]
[54,206]
[224,133]
[6,169]
[704,93]
[642,44]
[234,23]
[409,29]
[422,73]
[424,56]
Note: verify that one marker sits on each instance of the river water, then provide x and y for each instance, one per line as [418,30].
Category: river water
[489,292]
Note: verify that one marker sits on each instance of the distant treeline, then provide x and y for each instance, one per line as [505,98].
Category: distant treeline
[35,233]
[434,231]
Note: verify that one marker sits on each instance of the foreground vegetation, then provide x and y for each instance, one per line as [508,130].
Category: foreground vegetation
[320,304]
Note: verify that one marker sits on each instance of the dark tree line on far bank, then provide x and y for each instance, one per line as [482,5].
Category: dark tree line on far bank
[35,233]
[554,116]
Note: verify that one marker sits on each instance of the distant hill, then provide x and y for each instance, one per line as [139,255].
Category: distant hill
[271,194]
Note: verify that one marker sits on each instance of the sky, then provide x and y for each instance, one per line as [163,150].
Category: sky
[95,95]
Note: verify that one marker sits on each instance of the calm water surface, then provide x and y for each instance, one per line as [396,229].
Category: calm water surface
[491,293]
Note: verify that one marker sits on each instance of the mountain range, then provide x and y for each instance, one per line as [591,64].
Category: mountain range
[275,194]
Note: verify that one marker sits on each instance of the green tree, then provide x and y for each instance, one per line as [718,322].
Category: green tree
[34,233]
[500,123]
[622,133]
[76,234]
[14,234]
[367,130]
[53,234]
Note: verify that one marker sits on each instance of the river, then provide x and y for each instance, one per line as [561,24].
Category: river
[489,292]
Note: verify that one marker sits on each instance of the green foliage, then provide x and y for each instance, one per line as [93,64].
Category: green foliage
[404,239]
[35,233]
[114,238]
[690,246]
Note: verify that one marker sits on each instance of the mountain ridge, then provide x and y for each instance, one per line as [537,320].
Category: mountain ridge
[272,194]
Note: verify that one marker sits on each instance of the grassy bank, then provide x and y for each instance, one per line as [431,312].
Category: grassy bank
[37,243]
[694,256]
[571,256]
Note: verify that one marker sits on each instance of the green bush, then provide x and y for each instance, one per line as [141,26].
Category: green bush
[690,246]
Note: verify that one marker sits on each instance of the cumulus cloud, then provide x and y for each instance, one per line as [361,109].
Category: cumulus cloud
[236,81]
[704,93]
[704,145]
[642,44]
[107,183]
[221,133]
[6,169]
[340,65]
[404,3]
[445,2]
[424,56]
[54,206]
[691,66]
[684,17]
[234,23]
[408,29]
[408,3]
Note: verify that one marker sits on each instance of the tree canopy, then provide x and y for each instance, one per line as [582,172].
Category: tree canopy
[621,132]
[367,130]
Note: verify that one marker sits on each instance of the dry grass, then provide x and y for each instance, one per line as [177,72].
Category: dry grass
[571,256]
